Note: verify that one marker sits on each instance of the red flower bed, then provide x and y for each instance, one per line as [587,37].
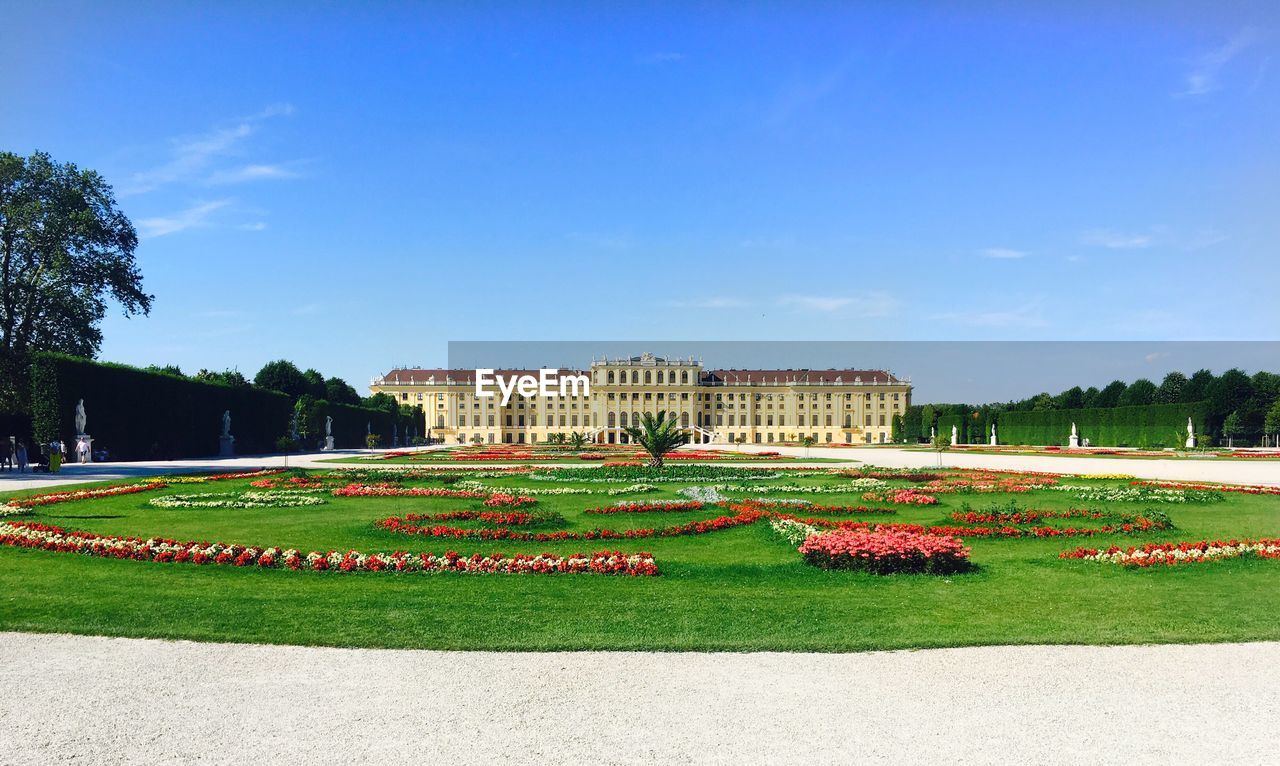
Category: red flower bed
[58,540]
[244,474]
[901,497]
[52,498]
[886,551]
[508,500]
[1170,554]
[508,518]
[402,525]
[622,464]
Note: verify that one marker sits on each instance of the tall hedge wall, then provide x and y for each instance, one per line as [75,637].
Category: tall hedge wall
[945,422]
[350,424]
[1155,425]
[137,414]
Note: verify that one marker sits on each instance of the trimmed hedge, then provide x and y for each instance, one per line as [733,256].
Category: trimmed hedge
[350,423]
[945,422]
[139,414]
[1149,426]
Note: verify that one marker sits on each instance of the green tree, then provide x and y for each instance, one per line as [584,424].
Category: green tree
[928,418]
[577,439]
[1272,423]
[657,434]
[65,250]
[226,377]
[940,442]
[807,441]
[1228,394]
[1139,393]
[1044,402]
[1231,428]
[1172,388]
[340,391]
[382,401]
[1091,396]
[283,376]
[1071,399]
[315,382]
[168,369]
[1197,388]
[1110,395]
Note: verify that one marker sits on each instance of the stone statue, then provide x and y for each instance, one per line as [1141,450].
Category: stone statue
[955,435]
[226,443]
[1075,436]
[226,424]
[328,425]
[1191,434]
[80,418]
[993,434]
[368,428]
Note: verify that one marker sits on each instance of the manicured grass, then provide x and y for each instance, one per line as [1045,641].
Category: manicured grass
[740,589]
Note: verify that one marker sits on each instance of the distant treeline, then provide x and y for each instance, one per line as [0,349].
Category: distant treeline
[1140,414]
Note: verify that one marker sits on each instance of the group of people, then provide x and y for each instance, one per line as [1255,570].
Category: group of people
[13,455]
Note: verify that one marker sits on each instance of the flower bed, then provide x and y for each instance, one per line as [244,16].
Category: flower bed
[278,499]
[24,504]
[405,526]
[1243,489]
[159,550]
[385,490]
[1168,554]
[653,506]
[1141,494]
[886,551]
[901,497]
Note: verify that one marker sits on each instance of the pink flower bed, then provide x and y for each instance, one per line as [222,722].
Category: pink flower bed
[886,551]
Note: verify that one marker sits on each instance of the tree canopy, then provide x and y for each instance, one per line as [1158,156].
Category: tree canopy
[65,249]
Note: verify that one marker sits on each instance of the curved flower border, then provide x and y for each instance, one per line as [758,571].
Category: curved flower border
[1172,554]
[159,550]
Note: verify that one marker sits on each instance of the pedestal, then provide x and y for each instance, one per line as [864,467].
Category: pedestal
[1191,442]
[87,455]
[227,446]
[993,441]
[328,444]
[1075,441]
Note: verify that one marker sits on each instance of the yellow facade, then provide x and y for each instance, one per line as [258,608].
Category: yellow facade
[716,406]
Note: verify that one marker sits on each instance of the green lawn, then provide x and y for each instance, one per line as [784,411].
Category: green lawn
[740,589]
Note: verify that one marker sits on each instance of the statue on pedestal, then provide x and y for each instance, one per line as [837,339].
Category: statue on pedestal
[955,436]
[80,417]
[993,434]
[226,442]
[1191,434]
[1075,436]
[328,432]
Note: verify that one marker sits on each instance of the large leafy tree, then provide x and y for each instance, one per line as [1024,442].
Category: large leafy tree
[65,250]
[283,376]
[657,434]
[1110,395]
[1140,392]
[1171,388]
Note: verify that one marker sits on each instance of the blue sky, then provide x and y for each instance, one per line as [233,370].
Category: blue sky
[353,189]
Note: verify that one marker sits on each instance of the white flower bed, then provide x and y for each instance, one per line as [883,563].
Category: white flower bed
[794,532]
[475,486]
[1138,494]
[847,487]
[707,495]
[241,500]
[633,489]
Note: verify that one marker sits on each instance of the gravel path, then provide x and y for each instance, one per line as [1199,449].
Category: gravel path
[105,700]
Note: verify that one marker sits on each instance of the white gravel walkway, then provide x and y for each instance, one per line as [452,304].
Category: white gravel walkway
[103,700]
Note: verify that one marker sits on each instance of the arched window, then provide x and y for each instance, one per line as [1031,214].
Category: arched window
[684,420]
[635,376]
[440,421]
[684,376]
[662,376]
[612,420]
[648,377]
[848,421]
[610,376]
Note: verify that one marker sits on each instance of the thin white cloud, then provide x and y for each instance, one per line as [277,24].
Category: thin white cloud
[869,304]
[1155,356]
[1206,69]
[194,216]
[1116,240]
[191,157]
[248,173]
[254,226]
[664,57]
[1003,253]
[714,302]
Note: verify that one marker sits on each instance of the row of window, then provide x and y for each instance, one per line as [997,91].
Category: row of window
[614,438]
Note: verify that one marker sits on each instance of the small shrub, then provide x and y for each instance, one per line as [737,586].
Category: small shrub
[372,440]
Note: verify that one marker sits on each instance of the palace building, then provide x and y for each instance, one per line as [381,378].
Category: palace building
[721,406]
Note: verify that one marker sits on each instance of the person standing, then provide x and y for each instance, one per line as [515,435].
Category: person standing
[82,449]
[22,457]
